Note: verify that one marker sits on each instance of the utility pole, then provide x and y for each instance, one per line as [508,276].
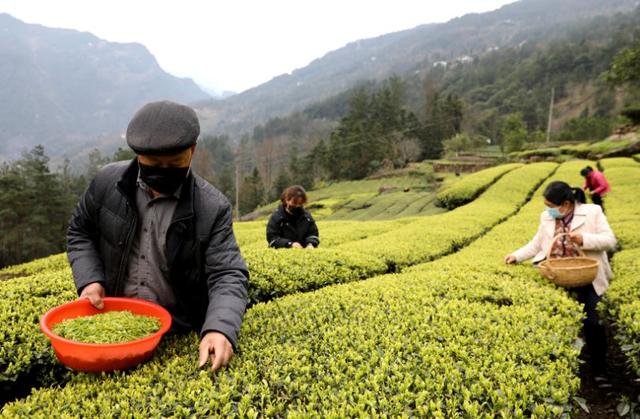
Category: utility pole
[553,93]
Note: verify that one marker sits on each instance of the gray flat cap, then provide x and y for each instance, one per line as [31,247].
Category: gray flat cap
[162,128]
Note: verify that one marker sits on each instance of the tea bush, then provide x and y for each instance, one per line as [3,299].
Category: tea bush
[25,353]
[470,187]
[621,300]
[48,264]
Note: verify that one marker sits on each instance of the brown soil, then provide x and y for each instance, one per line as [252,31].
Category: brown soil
[4,276]
[603,394]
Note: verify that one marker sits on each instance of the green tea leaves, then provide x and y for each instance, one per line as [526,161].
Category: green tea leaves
[109,327]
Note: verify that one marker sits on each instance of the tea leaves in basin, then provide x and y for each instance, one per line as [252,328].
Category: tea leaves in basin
[110,327]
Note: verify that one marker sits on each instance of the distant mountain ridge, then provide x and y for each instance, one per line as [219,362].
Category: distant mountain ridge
[65,89]
[409,51]
[72,91]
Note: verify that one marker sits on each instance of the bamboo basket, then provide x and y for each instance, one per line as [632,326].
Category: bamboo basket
[569,272]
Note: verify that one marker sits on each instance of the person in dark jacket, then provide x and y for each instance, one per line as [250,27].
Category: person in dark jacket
[291,225]
[150,228]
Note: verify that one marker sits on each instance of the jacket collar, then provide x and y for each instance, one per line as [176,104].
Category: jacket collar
[128,181]
[579,216]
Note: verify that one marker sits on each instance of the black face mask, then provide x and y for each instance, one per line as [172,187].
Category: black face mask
[165,180]
[296,211]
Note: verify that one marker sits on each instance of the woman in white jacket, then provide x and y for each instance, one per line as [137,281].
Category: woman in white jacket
[587,227]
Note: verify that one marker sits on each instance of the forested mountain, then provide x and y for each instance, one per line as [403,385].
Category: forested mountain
[403,53]
[77,91]
[64,88]
[496,95]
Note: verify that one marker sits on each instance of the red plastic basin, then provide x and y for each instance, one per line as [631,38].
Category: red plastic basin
[98,357]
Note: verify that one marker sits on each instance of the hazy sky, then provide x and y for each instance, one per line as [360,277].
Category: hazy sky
[235,45]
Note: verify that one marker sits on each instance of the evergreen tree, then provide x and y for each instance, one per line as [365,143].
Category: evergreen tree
[282,181]
[443,120]
[320,160]
[221,163]
[513,132]
[376,128]
[95,163]
[123,154]
[34,209]
[225,182]
[626,66]
[251,192]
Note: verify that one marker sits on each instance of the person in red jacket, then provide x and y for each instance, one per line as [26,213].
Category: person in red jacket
[596,183]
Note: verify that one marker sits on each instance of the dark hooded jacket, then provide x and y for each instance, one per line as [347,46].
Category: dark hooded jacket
[206,271]
[284,229]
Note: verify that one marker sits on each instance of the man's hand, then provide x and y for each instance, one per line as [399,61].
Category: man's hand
[510,259]
[310,246]
[215,345]
[93,292]
[296,245]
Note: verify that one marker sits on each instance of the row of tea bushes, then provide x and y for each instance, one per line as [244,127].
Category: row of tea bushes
[385,206]
[621,204]
[486,253]
[421,206]
[622,300]
[616,162]
[399,345]
[335,233]
[25,351]
[463,336]
[324,200]
[332,233]
[25,354]
[469,188]
[622,305]
[275,273]
[607,147]
[431,237]
[48,264]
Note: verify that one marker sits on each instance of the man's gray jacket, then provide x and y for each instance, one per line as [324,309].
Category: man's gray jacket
[206,271]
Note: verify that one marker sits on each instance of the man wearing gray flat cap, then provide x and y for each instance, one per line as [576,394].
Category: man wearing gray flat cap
[152,229]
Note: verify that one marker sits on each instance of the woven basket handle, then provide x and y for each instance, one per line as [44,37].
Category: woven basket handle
[577,247]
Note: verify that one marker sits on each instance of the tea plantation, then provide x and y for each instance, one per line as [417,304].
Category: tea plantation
[413,316]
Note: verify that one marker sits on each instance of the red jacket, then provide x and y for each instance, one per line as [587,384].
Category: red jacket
[597,183]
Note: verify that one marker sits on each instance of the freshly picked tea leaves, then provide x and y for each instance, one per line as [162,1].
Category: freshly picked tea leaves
[109,327]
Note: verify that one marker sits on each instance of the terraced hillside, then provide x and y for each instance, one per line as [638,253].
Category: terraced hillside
[415,191]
